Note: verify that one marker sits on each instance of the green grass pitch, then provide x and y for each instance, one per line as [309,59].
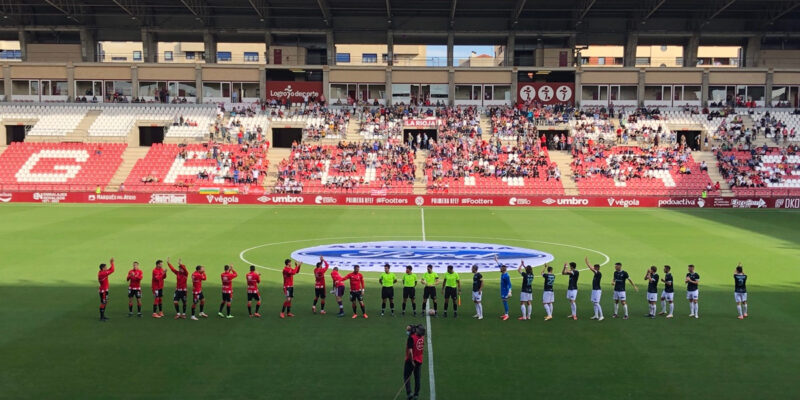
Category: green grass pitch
[52,346]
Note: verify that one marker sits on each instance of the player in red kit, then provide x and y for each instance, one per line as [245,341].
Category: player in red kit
[159,274]
[319,285]
[181,274]
[102,278]
[135,276]
[338,289]
[227,290]
[198,276]
[356,290]
[288,286]
[253,279]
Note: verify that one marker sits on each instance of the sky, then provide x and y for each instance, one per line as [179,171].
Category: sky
[437,55]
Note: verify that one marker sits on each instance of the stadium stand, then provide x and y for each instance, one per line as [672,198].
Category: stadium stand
[364,168]
[59,166]
[169,167]
[182,121]
[761,171]
[631,170]
[471,166]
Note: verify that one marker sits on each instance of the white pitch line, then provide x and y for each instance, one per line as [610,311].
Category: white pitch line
[431,379]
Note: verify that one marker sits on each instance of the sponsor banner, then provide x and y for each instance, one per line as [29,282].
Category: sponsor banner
[546,92]
[421,123]
[401,200]
[294,90]
[372,256]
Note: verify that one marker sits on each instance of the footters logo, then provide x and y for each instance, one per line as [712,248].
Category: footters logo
[371,256]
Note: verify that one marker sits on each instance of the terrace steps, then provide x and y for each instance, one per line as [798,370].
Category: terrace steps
[420,186]
[563,159]
[713,171]
[274,156]
[129,159]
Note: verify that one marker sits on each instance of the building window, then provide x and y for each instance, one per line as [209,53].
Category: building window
[369,58]
[601,61]
[223,56]
[119,58]
[137,56]
[342,57]
[679,61]
[10,54]
[251,56]
[618,61]
[642,60]
[385,57]
[167,56]
[584,60]
[189,55]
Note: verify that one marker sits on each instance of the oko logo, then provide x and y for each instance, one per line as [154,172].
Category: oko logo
[371,256]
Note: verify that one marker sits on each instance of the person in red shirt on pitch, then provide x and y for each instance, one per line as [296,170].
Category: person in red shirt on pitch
[135,276]
[198,276]
[415,346]
[288,286]
[357,288]
[253,279]
[102,277]
[181,274]
[227,290]
[338,289]
[159,275]
[319,285]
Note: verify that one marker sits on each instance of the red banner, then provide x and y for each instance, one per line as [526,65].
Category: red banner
[546,92]
[294,90]
[421,123]
[430,200]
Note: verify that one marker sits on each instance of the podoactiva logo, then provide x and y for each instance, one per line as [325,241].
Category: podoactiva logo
[371,256]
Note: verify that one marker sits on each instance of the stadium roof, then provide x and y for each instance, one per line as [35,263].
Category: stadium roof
[412,21]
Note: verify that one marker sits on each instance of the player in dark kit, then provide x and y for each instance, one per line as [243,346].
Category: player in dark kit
[288,286]
[227,276]
[415,348]
[157,285]
[620,296]
[410,289]
[651,277]
[181,275]
[572,288]
[134,278]
[102,278]
[477,292]
[198,276]
[740,291]
[357,288]
[668,294]
[547,291]
[253,279]
[597,290]
[319,286]
[692,294]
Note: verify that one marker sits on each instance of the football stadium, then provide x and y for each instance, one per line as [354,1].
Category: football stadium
[452,199]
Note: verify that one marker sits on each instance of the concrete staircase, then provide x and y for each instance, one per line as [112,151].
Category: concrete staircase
[353,127]
[80,134]
[129,158]
[713,171]
[486,125]
[419,173]
[563,159]
[275,156]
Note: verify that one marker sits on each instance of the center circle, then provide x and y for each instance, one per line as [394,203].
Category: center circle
[372,256]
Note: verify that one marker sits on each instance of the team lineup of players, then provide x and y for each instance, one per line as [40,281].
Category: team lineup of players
[450,287]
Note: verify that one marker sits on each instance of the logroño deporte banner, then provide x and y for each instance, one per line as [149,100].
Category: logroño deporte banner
[428,200]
